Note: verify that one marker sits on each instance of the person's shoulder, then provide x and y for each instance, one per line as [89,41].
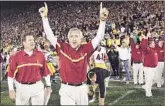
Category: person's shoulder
[63,44]
[18,53]
[38,52]
[86,44]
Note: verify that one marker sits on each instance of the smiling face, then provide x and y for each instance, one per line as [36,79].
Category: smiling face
[29,43]
[74,37]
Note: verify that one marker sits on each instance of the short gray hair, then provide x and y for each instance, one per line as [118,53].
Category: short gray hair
[73,30]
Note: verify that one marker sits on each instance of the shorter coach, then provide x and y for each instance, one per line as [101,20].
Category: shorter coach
[27,68]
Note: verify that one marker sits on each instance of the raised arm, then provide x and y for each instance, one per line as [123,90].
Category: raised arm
[144,44]
[132,44]
[47,29]
[101,30]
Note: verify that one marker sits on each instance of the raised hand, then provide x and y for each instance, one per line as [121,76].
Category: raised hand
[103,13]
[44,11]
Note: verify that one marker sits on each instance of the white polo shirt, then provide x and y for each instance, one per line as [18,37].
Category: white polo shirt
[124,53]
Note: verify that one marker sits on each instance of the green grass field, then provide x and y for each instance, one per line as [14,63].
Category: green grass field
[116,95]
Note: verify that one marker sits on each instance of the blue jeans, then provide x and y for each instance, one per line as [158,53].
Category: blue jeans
[126,66]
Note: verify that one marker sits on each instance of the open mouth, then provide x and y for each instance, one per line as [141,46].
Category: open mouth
[74,43]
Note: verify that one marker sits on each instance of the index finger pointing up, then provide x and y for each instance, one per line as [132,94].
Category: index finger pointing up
[46,6]
[101,6]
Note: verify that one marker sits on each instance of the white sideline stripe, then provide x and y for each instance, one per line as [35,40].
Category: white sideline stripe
[121,97]
[112,80]
[4,91]
[155,88]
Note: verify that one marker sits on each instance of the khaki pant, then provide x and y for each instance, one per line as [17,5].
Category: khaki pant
[138,68]
[73,95]
[29,94]
[149,77]
[158,74]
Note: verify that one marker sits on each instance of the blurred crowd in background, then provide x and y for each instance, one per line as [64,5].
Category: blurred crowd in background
[137,18]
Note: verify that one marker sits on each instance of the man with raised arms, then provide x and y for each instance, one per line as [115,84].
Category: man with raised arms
[74,58]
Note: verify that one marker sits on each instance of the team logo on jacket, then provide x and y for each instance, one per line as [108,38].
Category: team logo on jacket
[162,51]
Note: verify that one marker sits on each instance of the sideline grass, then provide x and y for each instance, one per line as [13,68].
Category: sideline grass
[133,99]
